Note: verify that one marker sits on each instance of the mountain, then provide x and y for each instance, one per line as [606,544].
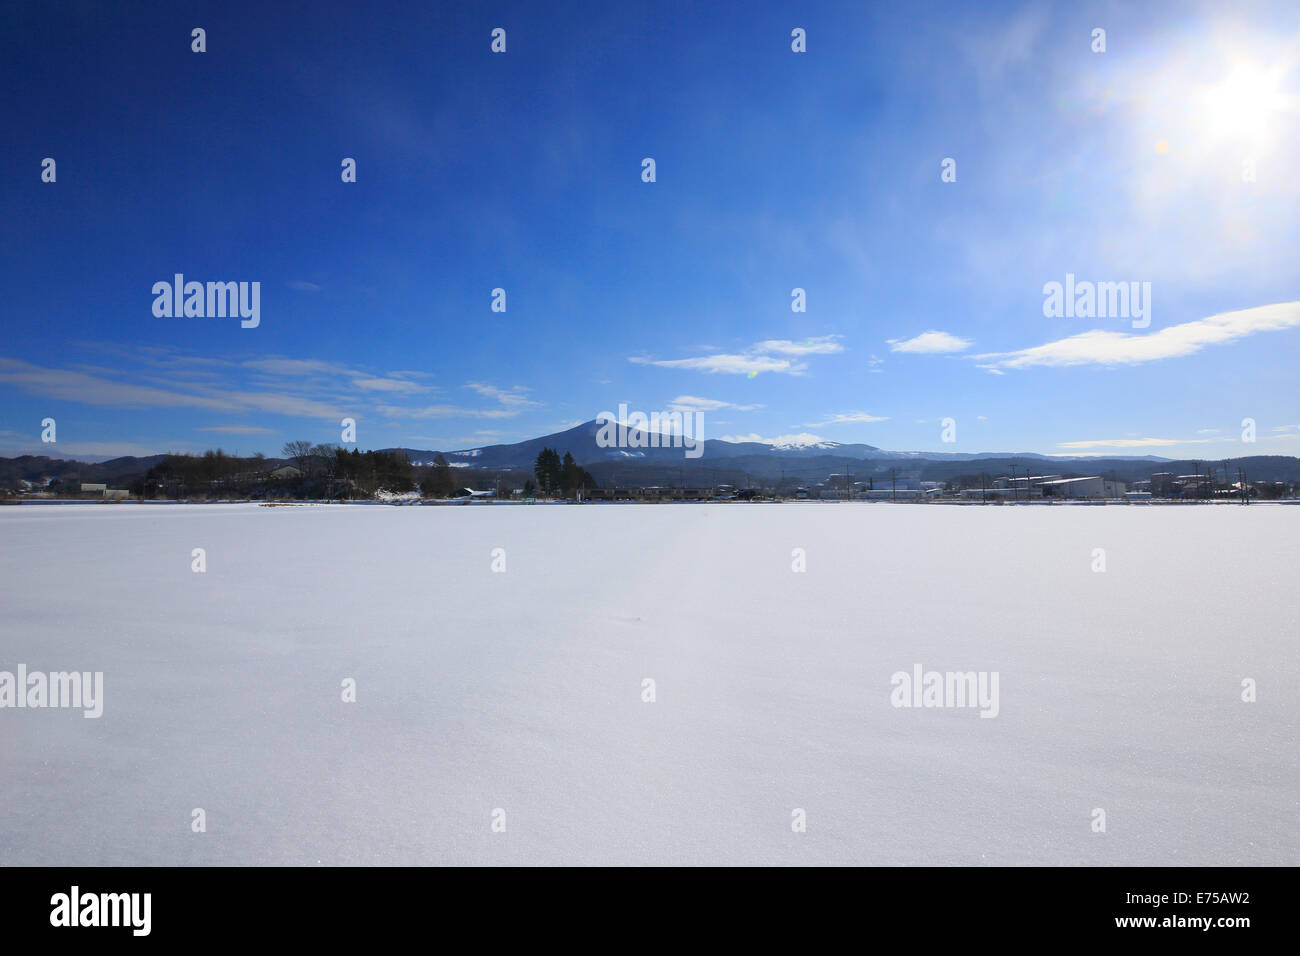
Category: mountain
[721,462]
[580,441]
[33,467]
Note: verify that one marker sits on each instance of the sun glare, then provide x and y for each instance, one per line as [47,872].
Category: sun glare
[1244,105]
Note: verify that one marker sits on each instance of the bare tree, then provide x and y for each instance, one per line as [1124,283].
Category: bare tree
[327,457]
[300,453]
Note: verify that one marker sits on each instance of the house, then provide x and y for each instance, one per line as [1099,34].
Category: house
[471,493]
[93,487]
[286,471]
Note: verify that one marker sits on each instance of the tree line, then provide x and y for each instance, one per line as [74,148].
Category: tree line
[317,471]
[559,476]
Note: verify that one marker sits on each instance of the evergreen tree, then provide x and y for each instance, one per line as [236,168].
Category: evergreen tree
[570,475]
[548,470]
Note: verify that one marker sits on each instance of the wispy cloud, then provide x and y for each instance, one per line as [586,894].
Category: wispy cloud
[766,356]
[401,385]
[692,403]
[73,386]
[730,364]
[1102,347]
[294,367]
[930,343]
[296,388]
[846,418]
[515,397]
[238,429]
[822,345]
[444,411]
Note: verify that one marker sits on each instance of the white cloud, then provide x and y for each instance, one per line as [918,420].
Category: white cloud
[389,385]
[444,411]
[823,345]
[762,356]
[1102,347]
[728,364]
[512,398]
[692,403]
[284,366]
[930,343]
[238,429]
[845,418]
[92,390]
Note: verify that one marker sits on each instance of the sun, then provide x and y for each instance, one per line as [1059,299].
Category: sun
[1246,105]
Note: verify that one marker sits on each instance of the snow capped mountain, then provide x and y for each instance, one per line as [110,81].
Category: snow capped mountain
[792,444]
[581,441]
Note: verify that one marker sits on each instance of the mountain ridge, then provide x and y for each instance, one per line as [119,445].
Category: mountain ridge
[580,441]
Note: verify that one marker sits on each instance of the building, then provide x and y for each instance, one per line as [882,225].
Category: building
[93,487]
[890,494]
[286,471]
[1093,486]
[989,494]
[1025,486]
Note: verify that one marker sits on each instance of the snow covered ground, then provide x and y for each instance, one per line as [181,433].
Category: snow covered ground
[523,690]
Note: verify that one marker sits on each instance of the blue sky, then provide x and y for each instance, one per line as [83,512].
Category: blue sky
[775,170]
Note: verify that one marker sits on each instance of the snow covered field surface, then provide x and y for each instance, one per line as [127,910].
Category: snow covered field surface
[522,690]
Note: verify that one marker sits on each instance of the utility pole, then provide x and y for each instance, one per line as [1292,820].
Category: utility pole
[893,477]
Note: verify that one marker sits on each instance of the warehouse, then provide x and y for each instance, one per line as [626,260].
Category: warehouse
[1091,487]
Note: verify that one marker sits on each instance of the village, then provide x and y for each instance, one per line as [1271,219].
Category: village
[282,484]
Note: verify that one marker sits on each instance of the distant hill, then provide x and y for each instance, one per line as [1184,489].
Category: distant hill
[32,467]
[581,442]
[722,461]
